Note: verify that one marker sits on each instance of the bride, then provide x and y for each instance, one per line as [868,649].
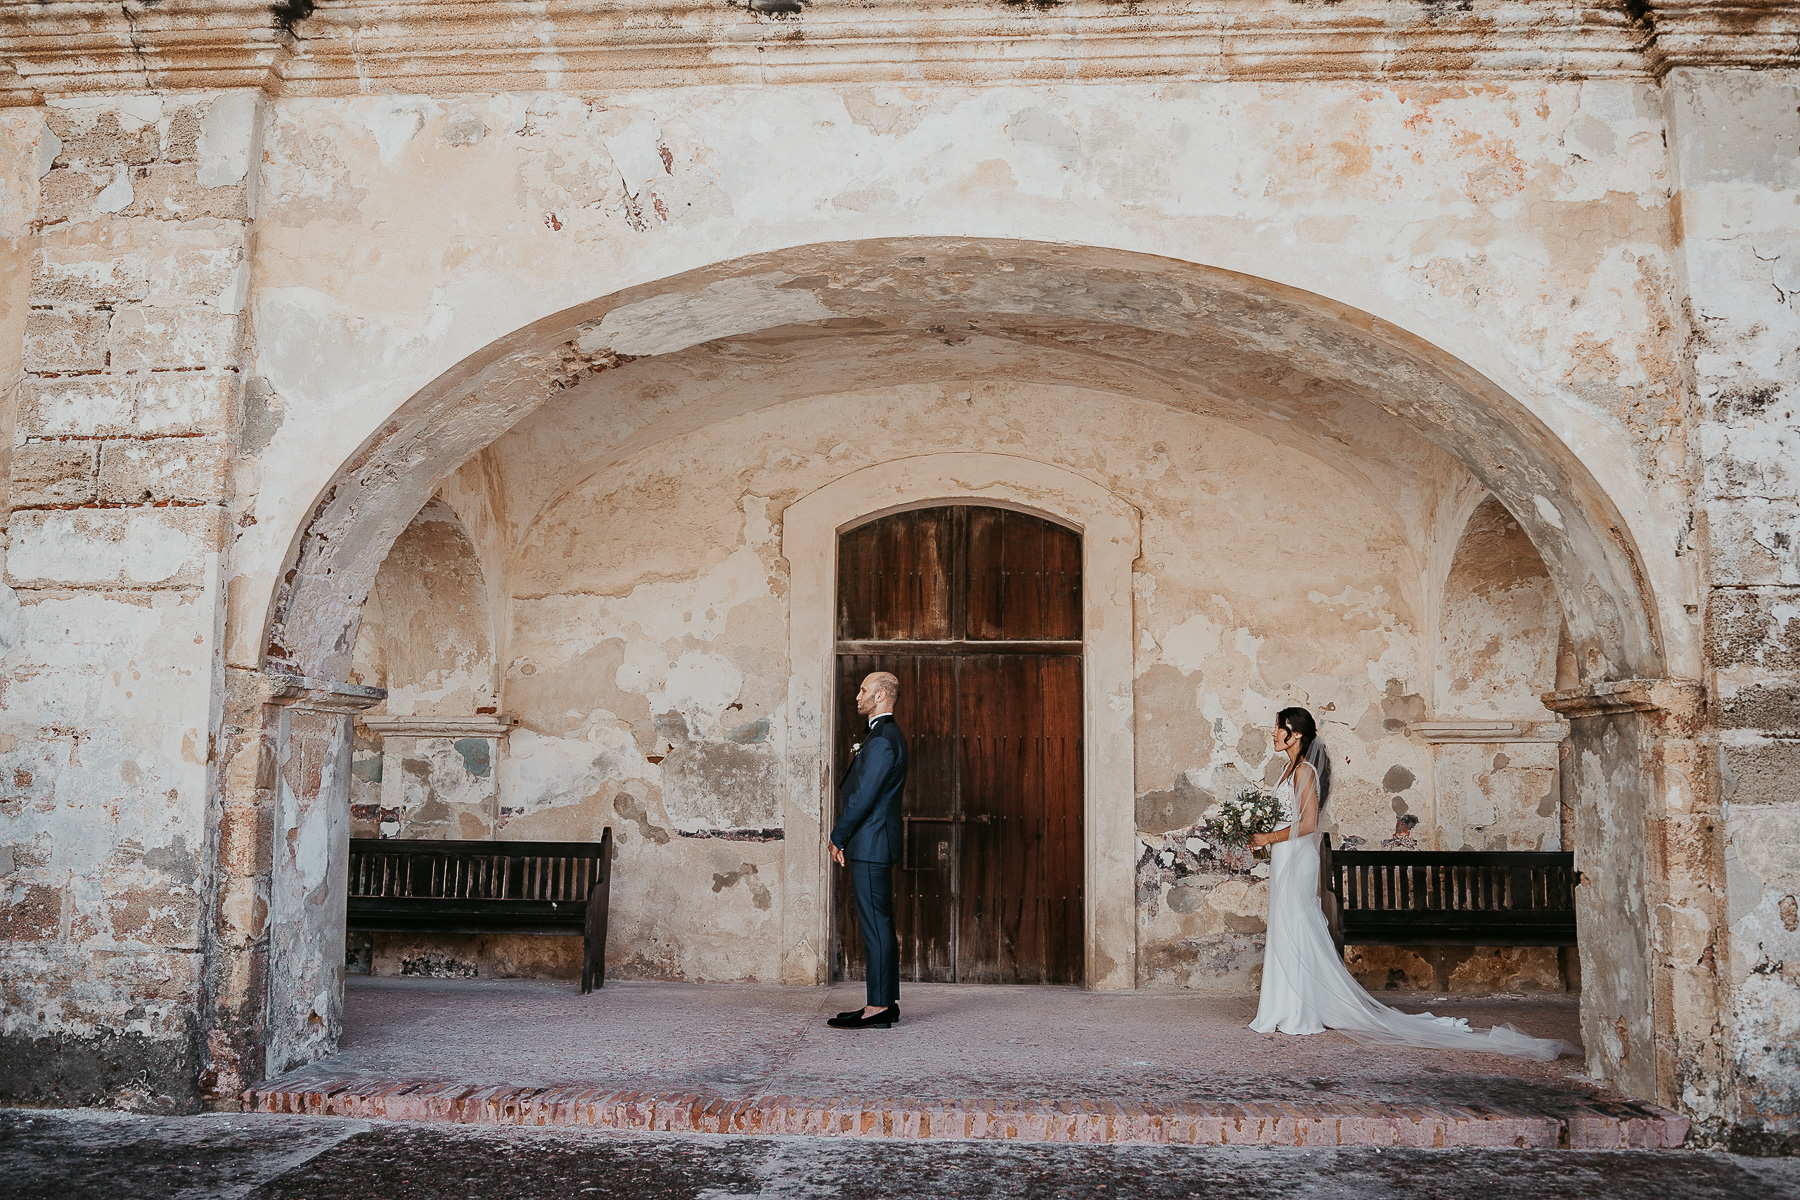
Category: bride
[1305,986]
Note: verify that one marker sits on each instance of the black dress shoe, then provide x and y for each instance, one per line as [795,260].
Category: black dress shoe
[855,1020]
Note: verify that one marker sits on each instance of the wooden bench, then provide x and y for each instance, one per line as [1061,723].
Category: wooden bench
[1448,897]
[421,886]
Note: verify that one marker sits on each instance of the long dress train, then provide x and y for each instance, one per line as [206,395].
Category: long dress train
[1307,989]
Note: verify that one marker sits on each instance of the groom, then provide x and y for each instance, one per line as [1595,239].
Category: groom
[867,840]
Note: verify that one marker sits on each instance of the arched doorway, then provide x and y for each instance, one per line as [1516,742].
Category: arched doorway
[977,610]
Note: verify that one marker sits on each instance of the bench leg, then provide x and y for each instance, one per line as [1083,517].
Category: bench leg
[593,936]
[593,950]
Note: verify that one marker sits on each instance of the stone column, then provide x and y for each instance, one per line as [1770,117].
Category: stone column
[275,958]
[1734,138]
[119,482]
[309,728]
[1646,909]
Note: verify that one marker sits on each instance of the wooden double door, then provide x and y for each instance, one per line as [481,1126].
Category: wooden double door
[977,611]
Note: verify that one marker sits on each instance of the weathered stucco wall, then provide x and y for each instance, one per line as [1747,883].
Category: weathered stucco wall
[649,678]
[1736,143]
[1449,212]
[120,472]
[1585,292]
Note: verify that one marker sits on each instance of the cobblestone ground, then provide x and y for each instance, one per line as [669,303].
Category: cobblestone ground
[105,1156]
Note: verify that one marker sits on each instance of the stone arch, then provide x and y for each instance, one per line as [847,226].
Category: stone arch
[1241,342]
[1109,528]
[1313,371]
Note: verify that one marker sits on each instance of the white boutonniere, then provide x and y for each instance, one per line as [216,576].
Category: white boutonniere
[855,749]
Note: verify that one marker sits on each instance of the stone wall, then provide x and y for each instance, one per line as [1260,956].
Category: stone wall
[123,435]
[1547,261]
[1736,149]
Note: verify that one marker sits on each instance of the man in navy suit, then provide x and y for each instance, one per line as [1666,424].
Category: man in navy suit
[867,840]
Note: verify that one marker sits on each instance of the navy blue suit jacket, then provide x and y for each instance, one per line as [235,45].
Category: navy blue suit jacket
[869,827]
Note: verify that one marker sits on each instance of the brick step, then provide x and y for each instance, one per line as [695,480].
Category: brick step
[1601,1125]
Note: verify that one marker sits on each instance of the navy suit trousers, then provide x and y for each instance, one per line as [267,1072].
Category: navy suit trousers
[873,886]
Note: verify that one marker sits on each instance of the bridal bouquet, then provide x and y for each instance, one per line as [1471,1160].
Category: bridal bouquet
[1232,824]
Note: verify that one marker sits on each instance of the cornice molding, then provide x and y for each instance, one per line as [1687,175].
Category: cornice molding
[52,48]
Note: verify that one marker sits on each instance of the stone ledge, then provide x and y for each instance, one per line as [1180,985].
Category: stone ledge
[324,695]
[1446,732]
[1600,1125]
[406,726]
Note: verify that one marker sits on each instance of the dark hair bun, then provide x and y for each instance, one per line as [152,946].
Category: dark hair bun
[1299,721]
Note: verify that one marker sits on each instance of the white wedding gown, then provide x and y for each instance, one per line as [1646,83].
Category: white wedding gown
[1307,989]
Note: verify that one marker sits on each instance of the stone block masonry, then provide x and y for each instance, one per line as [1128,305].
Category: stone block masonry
[1735,142]
[123,441]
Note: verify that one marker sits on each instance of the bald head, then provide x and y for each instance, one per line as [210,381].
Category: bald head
[879,693]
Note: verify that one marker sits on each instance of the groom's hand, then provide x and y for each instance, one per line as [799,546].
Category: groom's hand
[837,855]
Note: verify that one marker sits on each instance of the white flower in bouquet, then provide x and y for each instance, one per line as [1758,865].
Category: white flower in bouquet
[1234,822]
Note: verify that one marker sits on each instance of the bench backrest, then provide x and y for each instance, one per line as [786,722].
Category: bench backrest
[1461,882]
[402,868]
[1448,897]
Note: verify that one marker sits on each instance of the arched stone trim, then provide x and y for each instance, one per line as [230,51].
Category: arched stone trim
[1130,308]
[1109,546]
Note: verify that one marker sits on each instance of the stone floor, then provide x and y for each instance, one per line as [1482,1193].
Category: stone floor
[102,1156]
[1031,1063]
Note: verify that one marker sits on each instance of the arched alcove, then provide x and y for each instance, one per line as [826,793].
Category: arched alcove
[1495,769]
[1499,638]
[427,633]
[426,761]
[1338,387]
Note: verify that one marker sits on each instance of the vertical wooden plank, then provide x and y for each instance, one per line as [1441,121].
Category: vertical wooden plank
[894,578]
[1064,795]
[1024,577]
[1060,579]
[985,572]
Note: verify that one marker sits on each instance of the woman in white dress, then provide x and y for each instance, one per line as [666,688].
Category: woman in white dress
[1305,986]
